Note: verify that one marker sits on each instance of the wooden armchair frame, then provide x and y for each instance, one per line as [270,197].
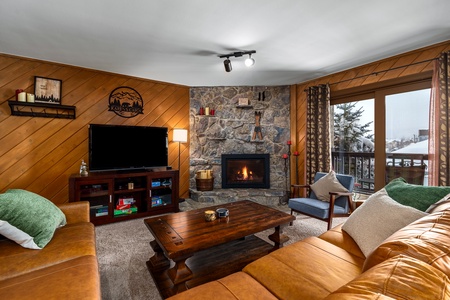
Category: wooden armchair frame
[295,192]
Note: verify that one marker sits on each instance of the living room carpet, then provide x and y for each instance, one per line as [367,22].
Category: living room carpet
[123,249]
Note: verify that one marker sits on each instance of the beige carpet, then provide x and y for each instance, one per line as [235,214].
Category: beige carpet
[123,248]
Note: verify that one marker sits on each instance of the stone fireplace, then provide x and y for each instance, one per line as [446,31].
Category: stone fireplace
[246,171]
[231,131]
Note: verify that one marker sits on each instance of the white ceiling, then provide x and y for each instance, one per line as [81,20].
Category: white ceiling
[178,41]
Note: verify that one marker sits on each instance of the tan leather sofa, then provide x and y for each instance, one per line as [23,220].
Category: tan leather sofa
[66,268]
[413,263]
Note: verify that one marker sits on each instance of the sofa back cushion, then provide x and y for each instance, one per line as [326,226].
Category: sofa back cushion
[401,277]
[427,239]
[441,205]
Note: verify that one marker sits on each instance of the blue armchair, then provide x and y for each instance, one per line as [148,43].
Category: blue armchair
[340,204]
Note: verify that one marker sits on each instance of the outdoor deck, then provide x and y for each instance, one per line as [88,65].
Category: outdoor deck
[361,165]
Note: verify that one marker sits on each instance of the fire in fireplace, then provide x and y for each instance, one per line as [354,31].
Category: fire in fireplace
[246,171]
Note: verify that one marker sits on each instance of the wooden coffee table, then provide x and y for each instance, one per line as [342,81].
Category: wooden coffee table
[190,251]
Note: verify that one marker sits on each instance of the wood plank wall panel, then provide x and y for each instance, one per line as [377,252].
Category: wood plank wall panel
[353,78]
[39,154]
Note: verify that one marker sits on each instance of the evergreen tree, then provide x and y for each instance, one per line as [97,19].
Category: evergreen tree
[349,134]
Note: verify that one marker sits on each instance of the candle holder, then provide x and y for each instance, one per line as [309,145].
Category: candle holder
[284,200]
[296,154]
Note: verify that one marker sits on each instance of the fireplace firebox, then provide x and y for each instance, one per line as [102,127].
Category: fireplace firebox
[246,171]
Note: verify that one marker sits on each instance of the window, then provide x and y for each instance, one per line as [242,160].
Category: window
[380,125]
[354,141]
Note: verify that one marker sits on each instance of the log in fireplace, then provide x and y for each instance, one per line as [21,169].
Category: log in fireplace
[246,171]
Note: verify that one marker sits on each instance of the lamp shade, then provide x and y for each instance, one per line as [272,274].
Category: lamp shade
[180,135]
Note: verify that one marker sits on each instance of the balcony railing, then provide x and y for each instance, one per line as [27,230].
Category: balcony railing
[361,165]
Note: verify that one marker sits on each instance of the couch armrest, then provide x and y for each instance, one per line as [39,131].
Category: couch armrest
[76,212]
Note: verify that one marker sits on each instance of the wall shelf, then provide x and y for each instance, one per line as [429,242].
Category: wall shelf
[28,109]
[216,139]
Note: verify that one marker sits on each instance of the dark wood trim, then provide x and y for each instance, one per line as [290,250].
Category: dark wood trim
[368,91]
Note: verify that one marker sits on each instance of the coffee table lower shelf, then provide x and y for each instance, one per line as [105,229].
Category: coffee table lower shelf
[213,263]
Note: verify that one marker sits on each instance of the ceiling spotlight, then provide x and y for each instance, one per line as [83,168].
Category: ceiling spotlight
[227,64]
[249,61]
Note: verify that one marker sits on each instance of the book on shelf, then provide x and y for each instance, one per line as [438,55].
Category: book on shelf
[100,210]
[126,211]
[126,201]
[100,214]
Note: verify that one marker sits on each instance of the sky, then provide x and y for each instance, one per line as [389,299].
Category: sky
[406,113]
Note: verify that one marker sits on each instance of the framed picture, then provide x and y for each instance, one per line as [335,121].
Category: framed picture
[47,90]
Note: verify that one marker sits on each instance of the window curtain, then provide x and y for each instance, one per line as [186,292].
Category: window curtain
[439,136]
[318,145]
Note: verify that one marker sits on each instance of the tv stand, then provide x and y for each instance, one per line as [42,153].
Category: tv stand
[122,195]
[132,171]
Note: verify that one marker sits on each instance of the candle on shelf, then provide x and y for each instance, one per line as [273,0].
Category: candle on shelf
[289,142]
[22,97]
[30,98]
[207,111]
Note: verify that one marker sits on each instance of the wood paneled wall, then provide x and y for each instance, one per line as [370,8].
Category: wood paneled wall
[353,78]
[39,154]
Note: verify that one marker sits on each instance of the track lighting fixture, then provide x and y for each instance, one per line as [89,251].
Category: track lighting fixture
[227,64]
[248,62]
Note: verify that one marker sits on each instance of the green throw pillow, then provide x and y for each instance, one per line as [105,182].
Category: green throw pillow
[417,196]
[30,214]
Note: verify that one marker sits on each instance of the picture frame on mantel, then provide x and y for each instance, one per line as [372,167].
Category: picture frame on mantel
[243,102]
[47,90]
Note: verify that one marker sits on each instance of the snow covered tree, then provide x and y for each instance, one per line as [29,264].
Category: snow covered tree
[349,135]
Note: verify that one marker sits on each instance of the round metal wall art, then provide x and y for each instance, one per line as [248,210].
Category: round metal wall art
[126,102]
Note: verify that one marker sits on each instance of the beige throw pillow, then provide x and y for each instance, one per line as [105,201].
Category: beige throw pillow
[378,218]
[326,184]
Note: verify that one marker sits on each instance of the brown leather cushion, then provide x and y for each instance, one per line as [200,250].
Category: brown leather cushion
[441,205]
[235,286]
[76,212]
[343,240]
[309,269]
[74,279]
[68,242]
[401,277]
[427,239]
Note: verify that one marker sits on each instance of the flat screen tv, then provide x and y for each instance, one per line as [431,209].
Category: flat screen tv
[119,147]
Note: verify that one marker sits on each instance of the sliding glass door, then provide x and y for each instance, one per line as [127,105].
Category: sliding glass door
[407,121]
[379,134]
